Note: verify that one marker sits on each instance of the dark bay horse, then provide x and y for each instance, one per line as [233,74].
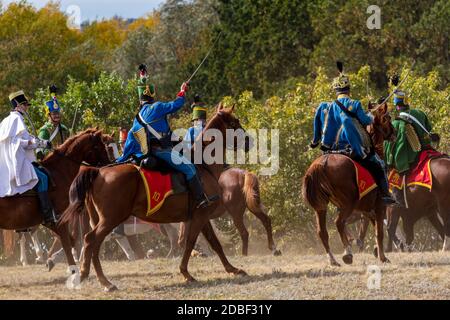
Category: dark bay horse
[240,191]
[332,178]
[112,194]
[423,203]
[23,212]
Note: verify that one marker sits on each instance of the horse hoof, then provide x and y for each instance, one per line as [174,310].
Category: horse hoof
[277,253]
[111,288]
[385,260]
[240,272]
[348,259]
[190,279]
[50,265]
[334,264]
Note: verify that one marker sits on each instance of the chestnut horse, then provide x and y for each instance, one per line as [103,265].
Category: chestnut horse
[423,203]
[332,178]
[112,194]
[23,212]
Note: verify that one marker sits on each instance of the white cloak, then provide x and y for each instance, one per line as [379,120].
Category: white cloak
[17,174]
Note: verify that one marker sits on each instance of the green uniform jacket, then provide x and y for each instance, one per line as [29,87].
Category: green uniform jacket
[399,154]
[46,132]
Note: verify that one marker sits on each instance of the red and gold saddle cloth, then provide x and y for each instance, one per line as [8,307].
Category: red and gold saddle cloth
[364,179]
[158,187]
[419,175]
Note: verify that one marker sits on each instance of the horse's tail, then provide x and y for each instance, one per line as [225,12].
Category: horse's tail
[252,193]
[9,242]
[77,196]
[317,188]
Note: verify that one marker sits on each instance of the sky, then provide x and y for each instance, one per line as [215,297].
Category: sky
[99,9]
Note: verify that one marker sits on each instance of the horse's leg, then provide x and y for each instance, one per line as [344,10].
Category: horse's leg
[37,246]
[408,229]
[321,217]
[340,225]
[238,219]
[379,231]
[89,240]
[192,230]
[23,250]
[437,224]
[53,253]
[444,210]
[126,248]
[172,234]
[211,237]
[393,217]
[101,231]
[267,223]
[362,232]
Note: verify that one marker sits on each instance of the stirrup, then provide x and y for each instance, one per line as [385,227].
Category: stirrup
[206,202]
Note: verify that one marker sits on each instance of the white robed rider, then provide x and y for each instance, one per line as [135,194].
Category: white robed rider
[19,172]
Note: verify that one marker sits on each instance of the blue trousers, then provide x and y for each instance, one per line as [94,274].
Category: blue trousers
[182,164]
[42,185]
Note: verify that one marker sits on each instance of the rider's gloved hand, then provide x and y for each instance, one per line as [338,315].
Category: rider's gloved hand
[184,88]
[39,143]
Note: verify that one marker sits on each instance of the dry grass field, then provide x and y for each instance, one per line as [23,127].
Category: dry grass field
[409,276]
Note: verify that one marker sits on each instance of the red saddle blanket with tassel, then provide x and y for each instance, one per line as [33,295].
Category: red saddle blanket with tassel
[364,180]
[158,187]
[419,175]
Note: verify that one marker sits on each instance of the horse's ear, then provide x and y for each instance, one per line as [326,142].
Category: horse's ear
[220,107]
[232,108]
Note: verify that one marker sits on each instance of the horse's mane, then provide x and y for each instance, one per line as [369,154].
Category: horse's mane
[70,142]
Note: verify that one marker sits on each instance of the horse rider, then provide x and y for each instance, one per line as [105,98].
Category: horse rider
[19,171]
[151,134]
[413,134]
[53,130]
[339,126]
[199,112]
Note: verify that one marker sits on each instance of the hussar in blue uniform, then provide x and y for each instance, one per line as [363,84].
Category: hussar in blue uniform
[151,134]
[340,126]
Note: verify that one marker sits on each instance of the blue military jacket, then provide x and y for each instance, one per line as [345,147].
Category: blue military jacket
[156,115]
[335,130]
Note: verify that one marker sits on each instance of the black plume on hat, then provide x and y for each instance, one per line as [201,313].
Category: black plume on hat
[53,89]
[143,67]
[381,100]
[340,66]
[197,98]
[395,79]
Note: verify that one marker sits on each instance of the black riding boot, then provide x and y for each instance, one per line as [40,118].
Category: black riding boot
[201,200]
[47,209]
[384,188]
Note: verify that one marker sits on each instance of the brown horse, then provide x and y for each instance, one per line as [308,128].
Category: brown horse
[22,211]
[332,178]
[112,194]
[423,203]
[240,191]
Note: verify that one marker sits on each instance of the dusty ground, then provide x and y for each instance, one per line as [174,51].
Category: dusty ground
[409,276]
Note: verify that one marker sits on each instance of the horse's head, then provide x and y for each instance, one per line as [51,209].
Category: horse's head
[88,146]
[224,120]
[382,125]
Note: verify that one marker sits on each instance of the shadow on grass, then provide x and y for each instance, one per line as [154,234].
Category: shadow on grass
[242,280]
